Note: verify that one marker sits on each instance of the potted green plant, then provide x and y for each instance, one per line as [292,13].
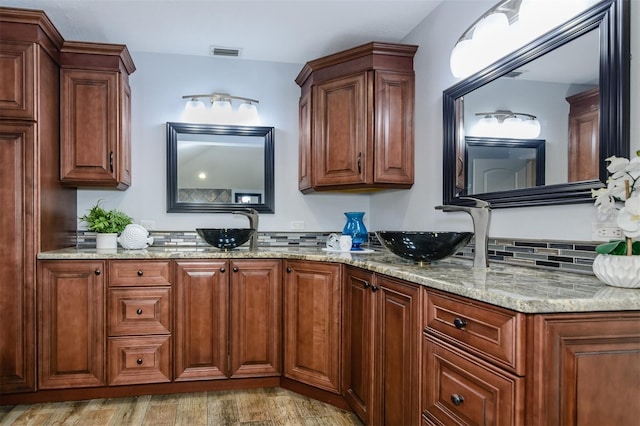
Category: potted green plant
[618,261]
[107,224]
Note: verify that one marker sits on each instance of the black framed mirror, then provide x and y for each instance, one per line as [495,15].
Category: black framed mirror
[607,23]
[218,168]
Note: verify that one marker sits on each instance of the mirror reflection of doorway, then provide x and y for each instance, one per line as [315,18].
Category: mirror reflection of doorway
[503,164]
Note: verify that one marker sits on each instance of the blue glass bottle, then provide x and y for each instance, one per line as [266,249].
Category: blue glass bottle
[355,227]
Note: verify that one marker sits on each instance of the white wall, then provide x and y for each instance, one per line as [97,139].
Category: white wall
[161,80]
[413,210]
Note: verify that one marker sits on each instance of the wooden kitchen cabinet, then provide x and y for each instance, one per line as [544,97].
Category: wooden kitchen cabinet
[95,115]
[38,213]
[356,119]
[228,316]
[71,324]
[584,135]
[312,306]
[585,369]
[474,362]
[381,332]
[139,318]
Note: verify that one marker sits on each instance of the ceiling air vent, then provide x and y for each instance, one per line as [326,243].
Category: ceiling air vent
[229,52]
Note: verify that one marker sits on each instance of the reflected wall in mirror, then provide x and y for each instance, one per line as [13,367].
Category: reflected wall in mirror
[214,168]
[575,80]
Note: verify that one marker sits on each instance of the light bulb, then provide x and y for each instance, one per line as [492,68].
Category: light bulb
[247,114]
[221,111]
[194,111]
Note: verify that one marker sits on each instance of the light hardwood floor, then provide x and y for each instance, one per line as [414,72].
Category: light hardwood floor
[254,407]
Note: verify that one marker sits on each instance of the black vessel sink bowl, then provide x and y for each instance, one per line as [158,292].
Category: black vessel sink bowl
[225,238]
[423,246]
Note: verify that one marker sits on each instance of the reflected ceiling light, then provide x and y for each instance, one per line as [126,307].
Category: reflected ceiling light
[506,124]
[509,25]
[221,111]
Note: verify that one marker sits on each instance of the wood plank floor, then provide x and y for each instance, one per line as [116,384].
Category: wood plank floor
[253,407]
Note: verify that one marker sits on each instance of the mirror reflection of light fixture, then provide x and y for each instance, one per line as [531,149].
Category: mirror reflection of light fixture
[506,124]
[507,26]
[221,111]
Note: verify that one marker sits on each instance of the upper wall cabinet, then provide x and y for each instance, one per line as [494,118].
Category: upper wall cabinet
[95,115]
[356,119]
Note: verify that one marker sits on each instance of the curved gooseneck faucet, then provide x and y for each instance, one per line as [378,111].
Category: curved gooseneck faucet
[481,216]
[252,215]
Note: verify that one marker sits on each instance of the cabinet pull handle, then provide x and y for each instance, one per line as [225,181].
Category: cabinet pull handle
[459,323]
[139,361]
[288,270]
[374,288]
[359,162]
[111,161]
[97,272]
[139,311]
[235,269]
[367,284]
[457,399]
[222,270]
[140,273]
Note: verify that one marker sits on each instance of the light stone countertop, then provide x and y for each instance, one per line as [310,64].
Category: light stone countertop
[521,289]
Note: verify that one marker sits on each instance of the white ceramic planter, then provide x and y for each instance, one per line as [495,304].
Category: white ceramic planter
[106,241]
[618,271]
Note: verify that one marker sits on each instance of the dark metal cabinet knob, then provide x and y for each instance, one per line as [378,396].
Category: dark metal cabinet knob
[140,273]
[374,288]
[97,272]
[222,270]
[459,323]
[139,311]
[367,284]
[457,399]
[139,361]
[288,270]
[235,269]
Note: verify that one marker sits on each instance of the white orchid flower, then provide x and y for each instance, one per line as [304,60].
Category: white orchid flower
[629,217]
[617,187]
[616,164]
[605,203]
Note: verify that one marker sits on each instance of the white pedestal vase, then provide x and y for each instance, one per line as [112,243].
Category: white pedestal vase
[106,241]
[618,271]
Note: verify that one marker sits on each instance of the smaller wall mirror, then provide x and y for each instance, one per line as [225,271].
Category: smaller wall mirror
[213,168]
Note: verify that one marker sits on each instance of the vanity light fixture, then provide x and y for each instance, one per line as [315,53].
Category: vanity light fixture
[506,124]
[507,26]
[221,111]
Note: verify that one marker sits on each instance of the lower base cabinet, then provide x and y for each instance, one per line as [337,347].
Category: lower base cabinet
[312,310]
[382,348]
[228,315]
[71,324]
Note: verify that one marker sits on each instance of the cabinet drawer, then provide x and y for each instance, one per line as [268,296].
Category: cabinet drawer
[138,273]
[139,311]
[490,332]
[139,360]
[461,389]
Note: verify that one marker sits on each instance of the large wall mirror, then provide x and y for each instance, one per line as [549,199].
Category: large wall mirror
[213,168]
[581,67]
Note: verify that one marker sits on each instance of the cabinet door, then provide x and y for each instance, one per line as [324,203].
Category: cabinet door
[18,222]
[311,324]
[17,85]
[93,107]
[71,324]
[397,342]
[256,316]
[342,134]
[393,146]
[201,320]
[586,370]
[358,349]
[305,168]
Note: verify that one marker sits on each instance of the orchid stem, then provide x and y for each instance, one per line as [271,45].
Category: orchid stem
[628,240]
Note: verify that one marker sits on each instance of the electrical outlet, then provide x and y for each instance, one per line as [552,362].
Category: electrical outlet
[297,225]
[605,231]
[149,225]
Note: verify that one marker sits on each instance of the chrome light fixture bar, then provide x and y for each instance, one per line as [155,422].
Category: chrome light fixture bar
[506,124]
[221,111]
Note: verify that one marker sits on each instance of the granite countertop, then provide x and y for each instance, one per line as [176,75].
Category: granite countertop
[521,289]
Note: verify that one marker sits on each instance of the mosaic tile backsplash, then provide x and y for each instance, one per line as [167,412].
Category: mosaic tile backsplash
[553,255]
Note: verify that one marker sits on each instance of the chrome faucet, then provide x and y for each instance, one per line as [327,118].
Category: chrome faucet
[481,216]
[252,215]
